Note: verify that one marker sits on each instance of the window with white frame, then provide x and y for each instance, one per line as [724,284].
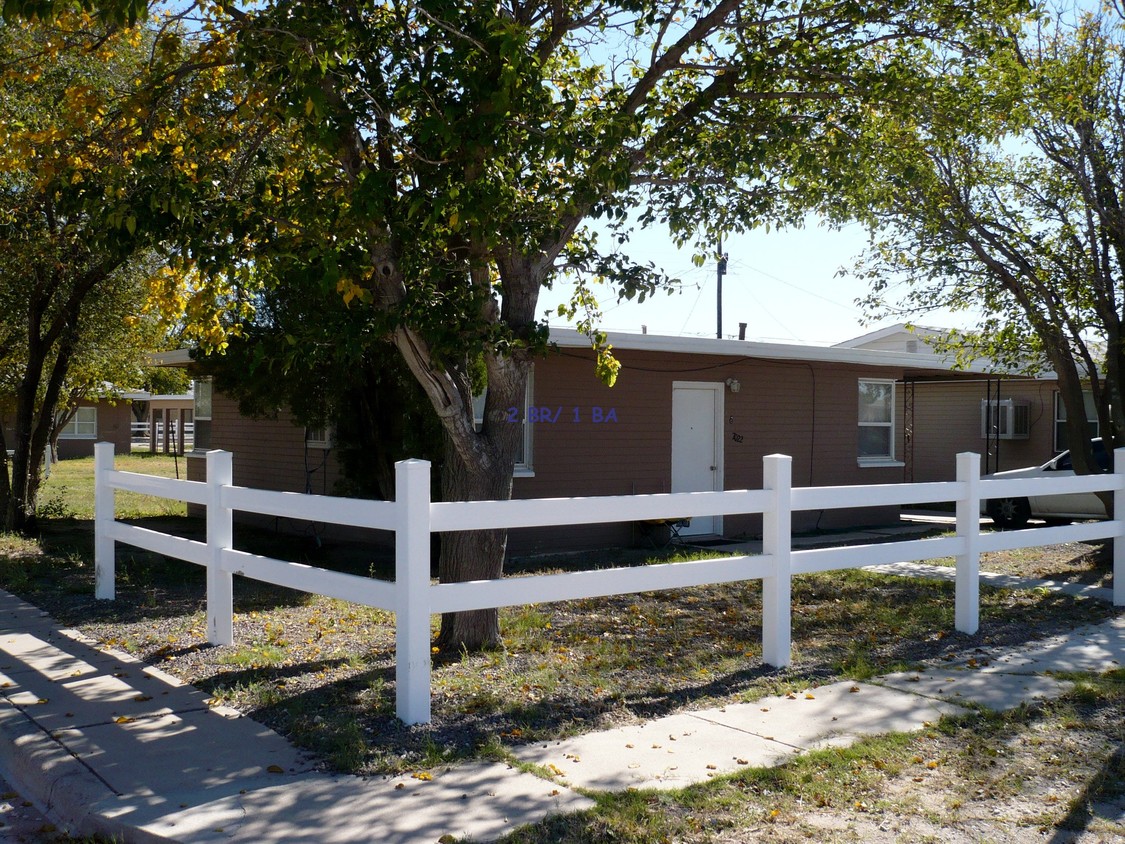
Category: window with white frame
[876,420]
[513,416]
[321,437]
[82,426]
[1092,426]
[203,391]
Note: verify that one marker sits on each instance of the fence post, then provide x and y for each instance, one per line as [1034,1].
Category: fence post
[220,536]
[966,616]
[412,592]
[777,540]
[1119,539]
[105,562]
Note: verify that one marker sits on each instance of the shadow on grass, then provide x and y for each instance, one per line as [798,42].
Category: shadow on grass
[60,578]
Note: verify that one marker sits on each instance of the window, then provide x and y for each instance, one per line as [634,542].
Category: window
[514,415]
[319,437]
[203,399]
[1060,419]
[876,421]
[82,426]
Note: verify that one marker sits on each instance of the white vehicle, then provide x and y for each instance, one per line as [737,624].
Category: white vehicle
[1014,512]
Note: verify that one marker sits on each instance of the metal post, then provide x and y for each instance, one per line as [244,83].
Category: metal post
[720,271]
[1119,540]
[105,563]
[412,591]
[220,536]
[777,541]
[967,594]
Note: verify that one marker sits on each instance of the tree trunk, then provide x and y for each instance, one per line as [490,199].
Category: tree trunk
[476,470]
[34,425]
[471,555]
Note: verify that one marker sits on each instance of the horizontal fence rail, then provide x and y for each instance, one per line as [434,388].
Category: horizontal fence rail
[378,515]
[413,518]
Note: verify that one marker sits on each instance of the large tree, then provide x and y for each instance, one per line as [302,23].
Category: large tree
[102,132]
[464,147]
[61,284]
[1006,201]
[455,152]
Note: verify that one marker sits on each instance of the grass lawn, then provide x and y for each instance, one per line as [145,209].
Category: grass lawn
[69,492]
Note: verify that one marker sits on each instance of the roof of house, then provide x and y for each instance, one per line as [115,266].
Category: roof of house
[898,334]
[570,338]
[848,352]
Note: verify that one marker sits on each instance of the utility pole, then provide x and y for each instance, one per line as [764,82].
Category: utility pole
[720,270]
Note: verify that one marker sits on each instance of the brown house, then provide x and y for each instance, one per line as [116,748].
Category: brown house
[698,414]
[100,420]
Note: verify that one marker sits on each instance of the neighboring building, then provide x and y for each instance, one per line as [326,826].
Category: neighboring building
[112,420]
[168,421]
[699,414]
[100,420]
[1026,425]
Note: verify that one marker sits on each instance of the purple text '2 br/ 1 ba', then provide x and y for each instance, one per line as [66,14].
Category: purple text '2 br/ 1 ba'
[551,415]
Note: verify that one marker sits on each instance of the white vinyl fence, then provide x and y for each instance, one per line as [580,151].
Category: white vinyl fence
[412,516]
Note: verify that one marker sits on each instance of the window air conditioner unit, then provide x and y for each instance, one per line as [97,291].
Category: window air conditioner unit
[1007,419]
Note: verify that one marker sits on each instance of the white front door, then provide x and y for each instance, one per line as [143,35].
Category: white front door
[697,446]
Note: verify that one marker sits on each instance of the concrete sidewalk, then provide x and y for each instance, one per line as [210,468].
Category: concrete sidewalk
[108,745]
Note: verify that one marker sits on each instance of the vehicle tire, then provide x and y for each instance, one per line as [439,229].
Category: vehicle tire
[1009,512]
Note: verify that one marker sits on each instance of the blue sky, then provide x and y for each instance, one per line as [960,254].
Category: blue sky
[782,284]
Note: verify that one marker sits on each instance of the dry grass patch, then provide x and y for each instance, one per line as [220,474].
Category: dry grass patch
[321,671]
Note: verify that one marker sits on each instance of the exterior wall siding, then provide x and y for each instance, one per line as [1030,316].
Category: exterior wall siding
[947,421]
[806,410]
[114,421]
[591,440]
[268,454]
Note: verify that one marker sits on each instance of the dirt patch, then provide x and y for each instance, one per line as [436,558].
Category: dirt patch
[1071,562]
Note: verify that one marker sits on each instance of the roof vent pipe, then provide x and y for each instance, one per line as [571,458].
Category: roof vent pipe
[742,331]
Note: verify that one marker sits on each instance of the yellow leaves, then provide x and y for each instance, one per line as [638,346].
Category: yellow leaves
[351,291]
[607,366]
[424,776]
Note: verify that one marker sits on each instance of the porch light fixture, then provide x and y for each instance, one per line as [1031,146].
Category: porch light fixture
[734,384]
